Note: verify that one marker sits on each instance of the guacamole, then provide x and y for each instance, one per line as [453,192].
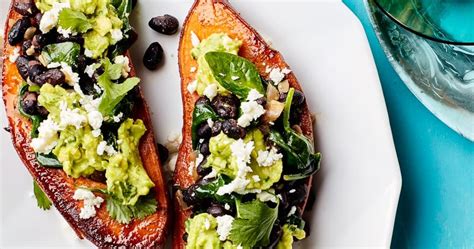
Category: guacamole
[222,160]
[202,232]
[290,231]
[220,42]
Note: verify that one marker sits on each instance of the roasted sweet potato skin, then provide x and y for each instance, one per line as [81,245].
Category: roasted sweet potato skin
[205,18]
[101,230]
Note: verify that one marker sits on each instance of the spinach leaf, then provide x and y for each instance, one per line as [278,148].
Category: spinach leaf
[66,52]
[253,224]
[234,73]
[201,113]
[35,119]
[74,20]
[298,149]
[209,191]
[49,160]
[41,199]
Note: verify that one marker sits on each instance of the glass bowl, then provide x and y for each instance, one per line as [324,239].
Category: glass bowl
[434,60]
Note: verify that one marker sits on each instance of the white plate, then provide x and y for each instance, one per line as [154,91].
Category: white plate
[359,184]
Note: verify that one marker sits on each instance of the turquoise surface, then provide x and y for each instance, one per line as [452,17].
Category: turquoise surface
[436,208]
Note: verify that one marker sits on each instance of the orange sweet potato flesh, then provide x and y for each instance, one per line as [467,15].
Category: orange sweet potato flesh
[101,230]
[205,18]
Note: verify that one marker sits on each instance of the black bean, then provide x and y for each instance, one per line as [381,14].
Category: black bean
[216,210]
[41,40]
[216,128]
[297,194]
[164,153]
[26,7]
[204,131]
[189,194]
[298,98]
[204,148]
[98,176]
[76,38]
[25,46]
[22,66]
[185,237]
[166,24]
[153,56]
[35,69]
[42,111]
[17,31]
[203,100]
[81,63]
[202,171]
[29,103]
[232,129]
[226,106]
[36,19]
[52,76]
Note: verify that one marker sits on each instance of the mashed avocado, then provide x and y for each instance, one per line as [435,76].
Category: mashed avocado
[219,42]
[98,20]
[77,147]
[290,231]
[222,160]
[202,232]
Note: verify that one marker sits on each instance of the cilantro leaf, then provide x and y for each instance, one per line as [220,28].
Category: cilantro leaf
[74,20]
[66,52]
[113,93]
[41,198]
[145,206]
[253,224]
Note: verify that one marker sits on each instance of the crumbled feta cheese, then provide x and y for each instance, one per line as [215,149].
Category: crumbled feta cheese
[91,202]
[251,110]
[280,197]
[226,206]
[195,39]
[118,117]
[54,65]
[116,35]
[210,122]
[211,175]
[65,32]
[207,224]
[254,95]
[50,17]
[241,151]
[235,78]
[192,70]
[90,69]
[126,64]
[237,185]
[97,88]
[276,75]
[210,91]
[88,53]
[192,86]
[16,53]
[173,141]
[267,158]
[95,119]
[256,178]
[292,191]
[104,147]
[199,159]
[292,211]
[47,137]
[69,116]
[224,225]
[265,196]
[96,133]
[71,77]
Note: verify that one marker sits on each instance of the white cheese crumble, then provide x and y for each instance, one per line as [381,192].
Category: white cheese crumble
[69,116]
[192,86]
[256,178]
[210,91]
[211,175]
[95,119]
[16,53]
[195,39]
[91,202]
[276,76]
[266,196]
[251,110]
[97,88]
[47,137]
[88,53]
[210,122]
[125,64]
[54,65]
[71,77]
[254,95]
[65,32]
[104,147]
[199,159]
[268,158]
[292,211]
[116,35]
[50,17]
[224,225]
[117,117]
[207,224]
[192,69]
[226,206]
[90,69]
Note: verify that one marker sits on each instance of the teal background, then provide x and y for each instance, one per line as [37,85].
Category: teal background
[436,208]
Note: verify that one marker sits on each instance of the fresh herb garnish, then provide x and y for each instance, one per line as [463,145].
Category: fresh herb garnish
[234,73]
[49,160]
[253,224]
[209,190]
[113,93]
[201,113]
[41,198]
[66,52]
[300,159]
[74,21]
[146,205]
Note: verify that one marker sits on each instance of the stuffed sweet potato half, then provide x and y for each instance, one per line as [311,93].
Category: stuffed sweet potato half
[78,119]
[245,165]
